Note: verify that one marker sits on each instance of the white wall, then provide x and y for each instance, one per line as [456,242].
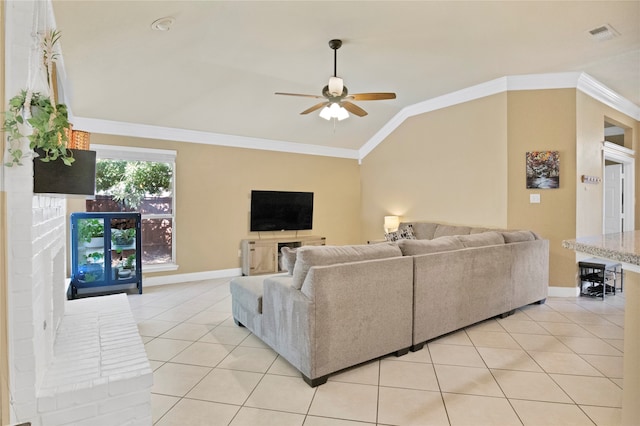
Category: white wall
[36,243]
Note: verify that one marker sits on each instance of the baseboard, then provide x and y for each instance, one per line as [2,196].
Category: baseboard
[194,276]
[563,292]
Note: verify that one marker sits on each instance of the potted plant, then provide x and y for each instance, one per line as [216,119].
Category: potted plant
[123,237]
[91,232]
[127,267]
[37,119]
[47,119]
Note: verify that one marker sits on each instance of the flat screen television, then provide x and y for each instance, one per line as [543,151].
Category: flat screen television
[281,210]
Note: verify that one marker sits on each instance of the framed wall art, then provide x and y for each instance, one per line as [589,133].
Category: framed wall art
[543,169]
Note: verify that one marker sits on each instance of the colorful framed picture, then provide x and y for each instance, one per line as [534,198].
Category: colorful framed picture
[543,169]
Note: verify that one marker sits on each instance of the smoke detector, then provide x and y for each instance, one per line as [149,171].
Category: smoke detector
[603,32]
[163,24]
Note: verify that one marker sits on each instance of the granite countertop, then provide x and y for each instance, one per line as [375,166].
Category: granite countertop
[623,247]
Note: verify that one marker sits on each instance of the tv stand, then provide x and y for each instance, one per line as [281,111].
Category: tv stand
[262,256]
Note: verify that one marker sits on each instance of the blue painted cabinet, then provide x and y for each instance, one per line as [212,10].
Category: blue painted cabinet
[105,254]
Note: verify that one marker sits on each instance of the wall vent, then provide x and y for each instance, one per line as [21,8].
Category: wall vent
[603,32]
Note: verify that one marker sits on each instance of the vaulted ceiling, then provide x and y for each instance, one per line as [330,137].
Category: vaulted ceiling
[217,68]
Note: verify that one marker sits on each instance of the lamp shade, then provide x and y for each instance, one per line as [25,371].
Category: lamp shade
[391,223]
[336,85]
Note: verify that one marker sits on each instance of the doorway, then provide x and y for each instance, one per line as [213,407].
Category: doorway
[618,181]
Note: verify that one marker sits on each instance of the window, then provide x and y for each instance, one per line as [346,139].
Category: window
[140,180]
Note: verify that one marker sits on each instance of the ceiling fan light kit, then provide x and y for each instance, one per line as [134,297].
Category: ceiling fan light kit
[334,111]
[336,97]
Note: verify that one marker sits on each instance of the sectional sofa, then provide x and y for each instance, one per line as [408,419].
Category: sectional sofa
[340,306]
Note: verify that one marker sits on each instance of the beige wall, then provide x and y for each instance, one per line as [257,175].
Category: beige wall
[466,165]
[545,120]
[591,116]
[213,197]
[448,165]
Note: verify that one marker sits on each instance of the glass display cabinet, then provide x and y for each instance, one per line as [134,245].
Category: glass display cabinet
[105,254]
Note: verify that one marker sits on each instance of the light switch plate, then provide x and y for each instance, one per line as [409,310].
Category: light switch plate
[534,198]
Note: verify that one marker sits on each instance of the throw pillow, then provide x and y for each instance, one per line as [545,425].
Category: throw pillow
[288,259]
[404,232]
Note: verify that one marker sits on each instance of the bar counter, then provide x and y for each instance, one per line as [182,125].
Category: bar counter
[625,249]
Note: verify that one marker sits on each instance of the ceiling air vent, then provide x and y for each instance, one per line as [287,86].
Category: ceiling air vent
[603,32]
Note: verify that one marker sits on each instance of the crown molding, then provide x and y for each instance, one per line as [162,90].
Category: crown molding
[576,80]
[598,91]
[580,81]
[120,128]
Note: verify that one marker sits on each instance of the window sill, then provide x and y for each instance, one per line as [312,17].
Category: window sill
[160,268]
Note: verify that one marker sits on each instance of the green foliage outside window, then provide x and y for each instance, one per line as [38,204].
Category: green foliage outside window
[130,181]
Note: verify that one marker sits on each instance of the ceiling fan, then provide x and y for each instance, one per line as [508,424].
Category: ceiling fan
[337,100]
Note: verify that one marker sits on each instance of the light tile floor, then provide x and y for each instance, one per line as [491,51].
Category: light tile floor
[554,364]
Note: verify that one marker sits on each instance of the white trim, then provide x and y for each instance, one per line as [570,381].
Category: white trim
[172,134]
[580,81]
[465,95]
[563,292]
[617,151]
[134,153]
[190,277]
[598,91]
[160,267]
[626,156]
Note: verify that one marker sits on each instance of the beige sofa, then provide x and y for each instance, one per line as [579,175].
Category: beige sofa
[344,305]
[336,310]
[464,275]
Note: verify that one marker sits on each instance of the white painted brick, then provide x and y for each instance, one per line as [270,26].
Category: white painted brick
[125,382]
[128,417]
[81,394]
[23,411]
[47,401]
[69,416]
[123,401]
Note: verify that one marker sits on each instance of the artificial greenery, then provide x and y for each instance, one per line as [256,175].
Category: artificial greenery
[48,119]
[130,181]
[95,256]
[128,264]
[90,228]
[123,237]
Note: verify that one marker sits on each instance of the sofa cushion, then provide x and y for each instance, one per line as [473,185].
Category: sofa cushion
[490,238]
[423,230]
[447,230]
[404,232]
[518,236]
[417,247]
[247,292]
[288,259]
[309,256]
[479,230]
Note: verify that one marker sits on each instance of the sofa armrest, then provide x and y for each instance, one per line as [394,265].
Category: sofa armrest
[363,310]
[288,322]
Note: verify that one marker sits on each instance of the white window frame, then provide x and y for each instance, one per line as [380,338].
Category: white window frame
[114,152]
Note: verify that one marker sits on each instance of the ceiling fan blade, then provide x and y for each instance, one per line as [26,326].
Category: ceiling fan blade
[314,108]
[353,108]
[299,94]
[372,96]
